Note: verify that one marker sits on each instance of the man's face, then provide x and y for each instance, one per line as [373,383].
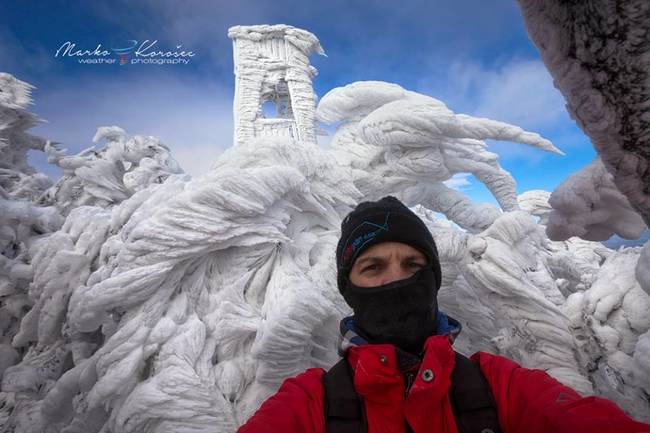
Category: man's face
[386,262]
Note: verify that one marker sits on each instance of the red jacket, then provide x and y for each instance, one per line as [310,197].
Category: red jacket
[528,401]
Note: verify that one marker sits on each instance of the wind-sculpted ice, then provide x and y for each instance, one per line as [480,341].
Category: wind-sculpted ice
[597,52]
[609,320]
[502,286]
[23,224]
[643,269]
[108,176]
[17,179]
[607,299]
[535,202]
[177,304]
[400,141]
[573,308]
[589,205]
[212,296]
[60,263]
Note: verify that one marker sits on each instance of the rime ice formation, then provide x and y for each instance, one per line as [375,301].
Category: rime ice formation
[164,303]
[209,295]
[272,67]
[589,205]
[643,269]
[500,286]
[397,140]
[535,202]
[617,308]
[101,178]
[18,180]
[23,224]
[597,53]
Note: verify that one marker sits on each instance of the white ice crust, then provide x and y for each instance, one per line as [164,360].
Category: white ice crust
[590,206]
[597,53]
[141,300]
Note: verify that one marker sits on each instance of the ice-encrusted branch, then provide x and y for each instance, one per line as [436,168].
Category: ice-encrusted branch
[396,139]
[108,176]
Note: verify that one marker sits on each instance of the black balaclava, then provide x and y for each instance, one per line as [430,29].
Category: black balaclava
[403,313]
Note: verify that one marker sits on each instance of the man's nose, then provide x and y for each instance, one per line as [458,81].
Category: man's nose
[394,272]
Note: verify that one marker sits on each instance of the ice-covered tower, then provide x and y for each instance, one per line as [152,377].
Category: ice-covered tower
[273,87]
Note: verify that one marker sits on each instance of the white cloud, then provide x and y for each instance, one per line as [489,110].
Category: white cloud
[518,91]
[521,93]
[459,181]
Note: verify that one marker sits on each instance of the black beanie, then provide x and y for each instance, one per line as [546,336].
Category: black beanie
[386,220]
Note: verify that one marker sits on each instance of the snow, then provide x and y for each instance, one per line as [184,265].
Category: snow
[137,299]
[589,205]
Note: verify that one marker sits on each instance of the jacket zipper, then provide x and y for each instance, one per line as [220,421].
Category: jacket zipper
[409,382]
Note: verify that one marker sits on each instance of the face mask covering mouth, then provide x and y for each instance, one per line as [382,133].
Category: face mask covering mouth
[402,313]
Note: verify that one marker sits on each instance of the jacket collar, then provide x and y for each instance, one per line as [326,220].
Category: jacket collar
[379,375]
[350,336]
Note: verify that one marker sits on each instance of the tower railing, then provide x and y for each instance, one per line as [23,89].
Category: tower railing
[276,128]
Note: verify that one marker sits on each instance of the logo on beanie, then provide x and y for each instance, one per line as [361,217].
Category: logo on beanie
[364,238]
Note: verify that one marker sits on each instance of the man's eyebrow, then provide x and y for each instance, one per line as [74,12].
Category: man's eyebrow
[415,257]
[368,259]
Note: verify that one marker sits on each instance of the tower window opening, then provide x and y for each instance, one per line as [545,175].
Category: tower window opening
[270,110]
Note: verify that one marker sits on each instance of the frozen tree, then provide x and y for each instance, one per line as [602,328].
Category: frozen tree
[106,177]
[23,224]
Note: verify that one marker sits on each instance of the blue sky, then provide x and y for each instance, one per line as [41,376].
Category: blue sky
[473,55]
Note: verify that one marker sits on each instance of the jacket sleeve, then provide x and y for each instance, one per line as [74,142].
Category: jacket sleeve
[297,407]
[531,401]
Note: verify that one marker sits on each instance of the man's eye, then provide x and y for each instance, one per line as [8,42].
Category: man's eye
[370,268]
[415,265]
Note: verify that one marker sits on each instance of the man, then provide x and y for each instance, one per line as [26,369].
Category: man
[399,373]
